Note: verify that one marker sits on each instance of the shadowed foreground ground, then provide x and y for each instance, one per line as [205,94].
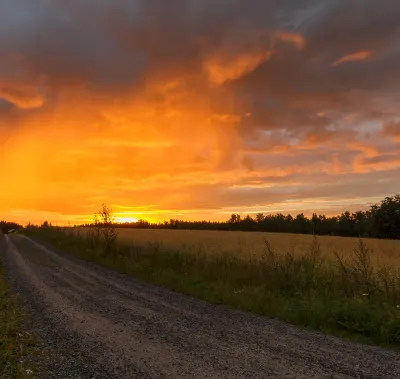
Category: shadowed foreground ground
[95,323]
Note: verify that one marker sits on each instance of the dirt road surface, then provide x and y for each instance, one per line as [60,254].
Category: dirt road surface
[95,323]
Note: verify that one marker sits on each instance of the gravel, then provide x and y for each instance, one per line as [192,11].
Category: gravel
[95,323]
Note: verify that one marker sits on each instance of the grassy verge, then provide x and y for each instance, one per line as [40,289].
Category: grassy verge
[348,297]
[16,346]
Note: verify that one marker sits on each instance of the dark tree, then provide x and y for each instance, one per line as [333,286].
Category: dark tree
[6,227]
[386,218]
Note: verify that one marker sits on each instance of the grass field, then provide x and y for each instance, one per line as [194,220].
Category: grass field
[246,244]
[16,346]
[338,285]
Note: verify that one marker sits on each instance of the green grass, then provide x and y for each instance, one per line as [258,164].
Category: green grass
[348,297]
[16,346]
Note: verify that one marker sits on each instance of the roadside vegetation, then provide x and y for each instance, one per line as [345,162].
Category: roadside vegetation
[17,347]
[348,296]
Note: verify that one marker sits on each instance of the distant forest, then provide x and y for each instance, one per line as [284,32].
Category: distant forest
[380,221]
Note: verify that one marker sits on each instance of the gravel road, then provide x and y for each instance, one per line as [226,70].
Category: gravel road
[95,323]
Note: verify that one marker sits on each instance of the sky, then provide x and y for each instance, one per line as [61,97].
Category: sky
[195,109]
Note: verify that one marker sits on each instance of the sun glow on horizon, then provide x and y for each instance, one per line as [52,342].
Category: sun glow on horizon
[122,220]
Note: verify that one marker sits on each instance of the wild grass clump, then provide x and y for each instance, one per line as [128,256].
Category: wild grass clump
[346,296]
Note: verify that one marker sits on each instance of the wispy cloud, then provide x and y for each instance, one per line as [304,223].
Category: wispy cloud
[223,68]
[296,39]
[361,55]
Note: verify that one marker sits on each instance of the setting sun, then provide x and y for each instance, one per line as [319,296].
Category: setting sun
[122,220]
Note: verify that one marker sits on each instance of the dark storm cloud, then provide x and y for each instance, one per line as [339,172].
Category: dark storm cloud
[74,40]
[117,40]
[53,45]
[302,84]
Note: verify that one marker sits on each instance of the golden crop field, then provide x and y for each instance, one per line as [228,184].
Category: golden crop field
[252,243]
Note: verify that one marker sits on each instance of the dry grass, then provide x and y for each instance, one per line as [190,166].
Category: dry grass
[386,252]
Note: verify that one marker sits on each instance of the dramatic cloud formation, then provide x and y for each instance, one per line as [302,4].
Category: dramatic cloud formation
[197,108]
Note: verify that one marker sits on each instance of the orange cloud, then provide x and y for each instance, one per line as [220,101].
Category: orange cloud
[368,150]
[393,130]
[22,97]
[221,69]
[227,65]
[383,162]
[361,55]
[296,39]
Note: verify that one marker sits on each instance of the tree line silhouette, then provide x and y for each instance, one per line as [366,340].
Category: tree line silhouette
[5,226]
[379,221]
